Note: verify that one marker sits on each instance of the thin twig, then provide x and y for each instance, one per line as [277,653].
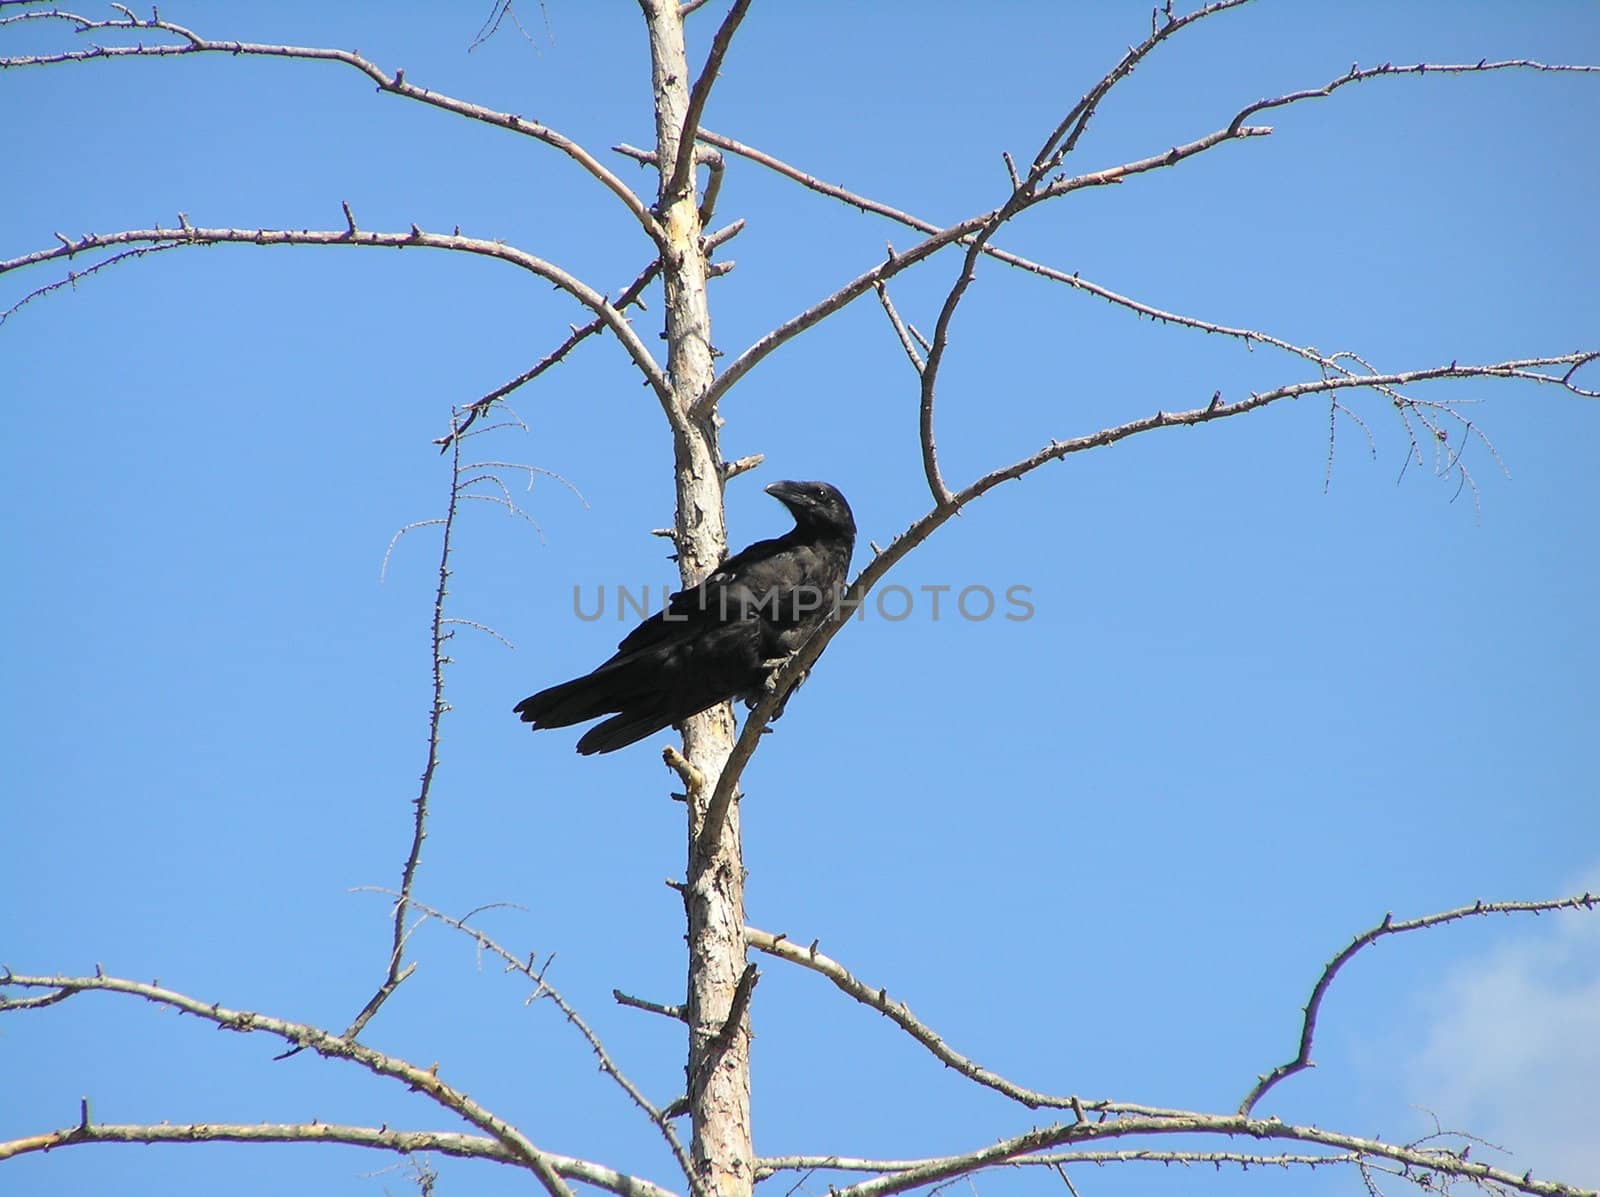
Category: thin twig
[1357,74]
[629,296]
[187,234]
[1016,1149]
[683,168]
[422,1080]
[900,329]
[451,1143]
[768,1166]
[439,635]
[900,1014]
[1527,369]
[1064,137]
[955,233]
[967,229]
[73,276]
[1071,279]
[1308,1027]
[543,989]
[396,84]
[638,1003]
[742,465]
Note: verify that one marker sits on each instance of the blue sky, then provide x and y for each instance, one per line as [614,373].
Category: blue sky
[1104,850]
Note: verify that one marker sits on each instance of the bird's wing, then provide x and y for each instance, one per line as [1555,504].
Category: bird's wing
[734,593]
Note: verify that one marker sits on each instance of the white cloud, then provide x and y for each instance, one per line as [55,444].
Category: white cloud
[1512,1050]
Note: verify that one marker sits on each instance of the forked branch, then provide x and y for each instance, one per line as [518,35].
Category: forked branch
[188,234]
[191,42]
[576,336]
[631,296]
[439,636]
[1064,137]
[769,1166]
[879,1000]
[683,168]
[422,1080]
[1558,371]
[1308,1027]
[1433,1161]
[1062,140]
[543,989]
[1116,1120]
[954,234]
[451,1143]
[1358,74]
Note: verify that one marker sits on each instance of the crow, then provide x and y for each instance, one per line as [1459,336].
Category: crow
[718,640]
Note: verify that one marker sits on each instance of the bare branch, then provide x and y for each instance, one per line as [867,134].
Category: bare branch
[1024,194]
[683,168]
[73,276]
[1118,1121]
[827,306]
[810,181]
[1178,153]
[731,1026]
[324,1043]
[629,296]
[858,286]
[975,233]
[714,164]
[928,376]
[32,1003]
[1064,137]
[632,295]
[503,11]
[930,452]
[900,1014]
[396,84]
[900,329]
[1528,369]
[543,989]
[1359,75]
[1073,279]
[703,156]
[1308,1028]
[451,1143]
[403,1142]
[1216,1160]
[741,465]
[187,234]
[769,1166]
[1015,1150]
[438,637]
[638,1003]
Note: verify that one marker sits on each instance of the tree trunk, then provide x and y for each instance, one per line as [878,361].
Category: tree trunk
[719,1055]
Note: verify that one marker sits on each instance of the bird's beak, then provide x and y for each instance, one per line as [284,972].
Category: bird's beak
[791,496]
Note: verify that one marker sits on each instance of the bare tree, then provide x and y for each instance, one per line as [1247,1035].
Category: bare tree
[681,233]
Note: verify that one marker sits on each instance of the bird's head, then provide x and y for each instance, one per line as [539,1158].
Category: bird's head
[815,505]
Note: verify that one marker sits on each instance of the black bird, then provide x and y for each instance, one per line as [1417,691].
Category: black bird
[718,640]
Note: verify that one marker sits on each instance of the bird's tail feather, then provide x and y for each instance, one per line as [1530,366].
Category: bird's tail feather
[605,690]
[627,728]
